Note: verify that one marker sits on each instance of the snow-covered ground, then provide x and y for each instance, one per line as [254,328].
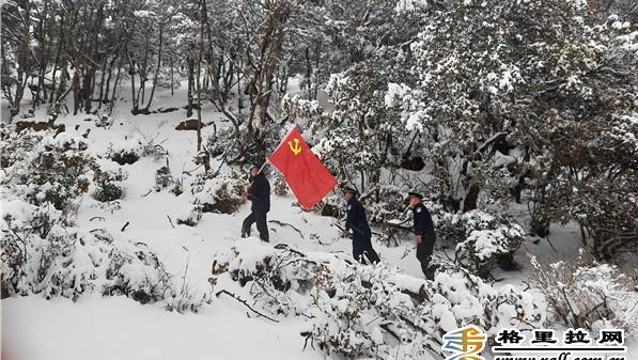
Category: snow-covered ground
[97,327]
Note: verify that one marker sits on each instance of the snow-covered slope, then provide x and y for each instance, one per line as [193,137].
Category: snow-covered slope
[97,327]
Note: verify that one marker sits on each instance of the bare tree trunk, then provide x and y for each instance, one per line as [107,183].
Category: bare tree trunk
[157,69]
[240,97]
[78,63]
[308,70]
[75,85]
[199,69]
[24,53]
[6,88]
[102,80]
[60,94]
[45,58]
[143,70]
[88,88]
[117,78]
[57,60]
[131,64]
[172,78]
[189,108]
[107,90]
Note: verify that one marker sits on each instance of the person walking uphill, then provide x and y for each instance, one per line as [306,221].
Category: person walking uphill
[259,194]
[361,233]
[424,235]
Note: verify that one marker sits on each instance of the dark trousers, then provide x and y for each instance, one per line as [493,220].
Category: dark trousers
[259,217]
[362,248]
[424,254]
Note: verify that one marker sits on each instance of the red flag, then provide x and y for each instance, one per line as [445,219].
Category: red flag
[309,180]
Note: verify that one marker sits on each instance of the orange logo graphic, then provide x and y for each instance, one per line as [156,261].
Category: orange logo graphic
[466,342]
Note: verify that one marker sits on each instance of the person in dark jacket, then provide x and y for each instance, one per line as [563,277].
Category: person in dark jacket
[424,235]
[357,224]
[259,194]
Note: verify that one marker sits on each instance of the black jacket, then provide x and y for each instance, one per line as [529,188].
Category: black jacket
[423,224]
[356,218]
[259,193]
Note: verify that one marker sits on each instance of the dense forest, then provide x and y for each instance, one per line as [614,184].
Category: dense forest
[533,101]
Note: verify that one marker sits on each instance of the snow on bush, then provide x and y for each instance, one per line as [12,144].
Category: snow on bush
[219,193]
[109,185]
[43,253]
[126,152]
[297,107]
[16,146]
[271,273]
[481,240]
[372,311]
[47,169]
[69,262]
[368,311]
[586,294]
[280,186]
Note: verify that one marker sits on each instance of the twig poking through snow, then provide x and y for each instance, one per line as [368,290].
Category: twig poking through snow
[406,252]
[282,224]
[170,221]
[245,304]
[550,244]
[125,225]
[97,218]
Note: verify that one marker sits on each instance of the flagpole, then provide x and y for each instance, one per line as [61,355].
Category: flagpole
[263,166]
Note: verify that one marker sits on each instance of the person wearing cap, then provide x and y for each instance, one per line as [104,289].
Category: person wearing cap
[424,235]
[259,194]
[357,223]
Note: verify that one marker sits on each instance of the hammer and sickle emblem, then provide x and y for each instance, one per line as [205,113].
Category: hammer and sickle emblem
[296,148]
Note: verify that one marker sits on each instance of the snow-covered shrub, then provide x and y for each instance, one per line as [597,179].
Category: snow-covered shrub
[44,254]
[467,298]
[192,218]
[274,274]
[385,202]
[163,178]
[108,187]
[586,294]
[280,187]
[239,145]
[485,248]
[218,193]
[366,311]
[104,121]
[49,169]
[16,147]
[355,309]
[126,152]
[221,142]
[481,240]
[372,311]
[297,107]
[70,262]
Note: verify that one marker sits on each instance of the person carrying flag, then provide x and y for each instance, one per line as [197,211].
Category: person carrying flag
[259,194]
[357,223]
